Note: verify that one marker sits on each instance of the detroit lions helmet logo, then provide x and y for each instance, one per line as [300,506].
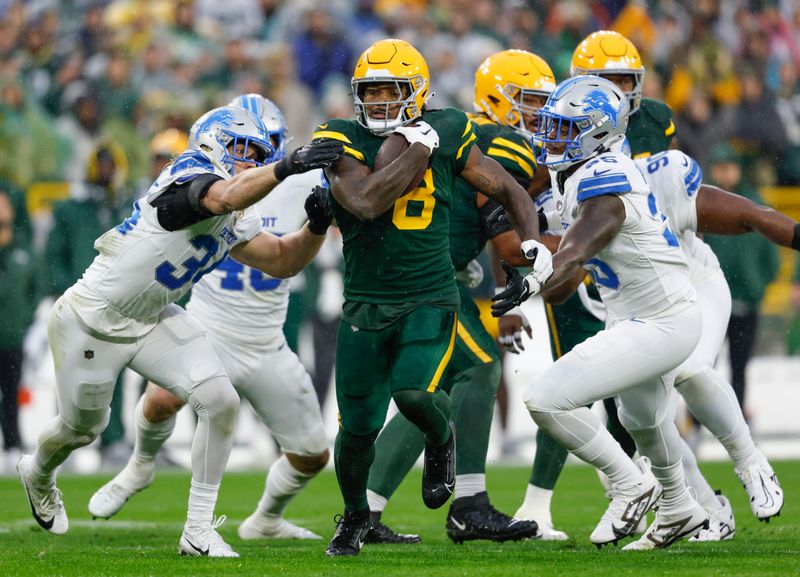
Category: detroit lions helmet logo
[598,100]
[222,117]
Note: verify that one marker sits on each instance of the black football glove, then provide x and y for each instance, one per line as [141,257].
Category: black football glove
[517,291]
[318,154]
[318,209]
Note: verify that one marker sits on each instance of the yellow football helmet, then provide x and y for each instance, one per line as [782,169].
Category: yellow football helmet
[504,79]
[608,52]
[395,62]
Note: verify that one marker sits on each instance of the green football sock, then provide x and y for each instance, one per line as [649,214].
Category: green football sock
[428,411]
[548,462]
[474,392]
[397,449]
[353,455]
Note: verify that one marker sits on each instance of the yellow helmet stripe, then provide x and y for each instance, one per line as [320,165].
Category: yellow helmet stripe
[522,163]
[524,151]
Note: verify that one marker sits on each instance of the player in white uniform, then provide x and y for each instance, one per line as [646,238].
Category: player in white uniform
[121,314]
[676,181]
[243,311]
[653,322]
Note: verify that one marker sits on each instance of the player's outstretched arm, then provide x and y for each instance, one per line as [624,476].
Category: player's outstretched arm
[722,212]
[280,257]
[366,194]
[249,186]
[285,256]
[487,176]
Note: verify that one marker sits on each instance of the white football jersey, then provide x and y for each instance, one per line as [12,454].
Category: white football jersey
[675,179]
[243,303]
[642,272]
[142,267]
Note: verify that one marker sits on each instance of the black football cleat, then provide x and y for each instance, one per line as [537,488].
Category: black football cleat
[351,533]
[380,533]
[439,472]
[472,518]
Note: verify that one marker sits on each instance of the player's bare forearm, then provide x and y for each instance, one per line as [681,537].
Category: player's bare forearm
[487,176]
[722,212]
[599,220]
[366,194]
[246,188]
[558,294]
[280,257]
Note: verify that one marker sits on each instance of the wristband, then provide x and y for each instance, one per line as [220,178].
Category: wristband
[283,168]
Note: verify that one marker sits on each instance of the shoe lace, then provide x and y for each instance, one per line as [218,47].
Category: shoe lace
[51,501]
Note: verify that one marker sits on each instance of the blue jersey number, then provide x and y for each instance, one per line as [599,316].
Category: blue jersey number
[233,281]
[657,161]
[602,275]
[670,237]
[194,268]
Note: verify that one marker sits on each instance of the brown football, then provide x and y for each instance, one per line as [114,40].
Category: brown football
[393,146]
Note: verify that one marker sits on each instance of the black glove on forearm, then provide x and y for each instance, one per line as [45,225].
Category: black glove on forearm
[318,209]
[319,154]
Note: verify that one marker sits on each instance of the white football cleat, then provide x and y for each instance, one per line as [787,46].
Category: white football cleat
[205,541]
[258,526]
[762,486]
[668,528]
[111,497]
[45,500]
[548,533]
[721,524]
[628,506]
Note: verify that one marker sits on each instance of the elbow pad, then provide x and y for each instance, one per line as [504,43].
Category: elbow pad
[493,219]
[181,205]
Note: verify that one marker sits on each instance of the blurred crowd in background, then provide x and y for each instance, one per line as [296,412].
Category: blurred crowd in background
[96,96]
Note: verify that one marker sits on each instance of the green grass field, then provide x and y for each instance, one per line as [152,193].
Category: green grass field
[143,538]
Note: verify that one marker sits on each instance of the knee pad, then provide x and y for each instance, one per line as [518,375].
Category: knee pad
[217,400]
[356,443]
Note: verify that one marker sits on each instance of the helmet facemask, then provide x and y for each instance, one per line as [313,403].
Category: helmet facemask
[519,101]
[408,91]
[257,152]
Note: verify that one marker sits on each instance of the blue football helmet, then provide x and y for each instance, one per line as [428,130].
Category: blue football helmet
[587,114]
[270,115]
[219,131]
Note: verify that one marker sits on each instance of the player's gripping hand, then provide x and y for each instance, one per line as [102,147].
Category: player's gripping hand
[540,258]
[517,290]
[421,132]
[318,209]
[319,154]
[510,327]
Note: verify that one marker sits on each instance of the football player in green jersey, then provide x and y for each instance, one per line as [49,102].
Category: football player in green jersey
[399,321]
[509,86]
[650,130]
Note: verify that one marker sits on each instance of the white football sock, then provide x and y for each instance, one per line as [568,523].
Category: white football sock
[377,503]
[470,484]
[282,484]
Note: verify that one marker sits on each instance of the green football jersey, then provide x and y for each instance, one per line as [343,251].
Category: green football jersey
[513,152]
[650,129]
[402,257]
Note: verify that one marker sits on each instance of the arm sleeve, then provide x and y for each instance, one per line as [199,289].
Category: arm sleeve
[181,204]
[493,219]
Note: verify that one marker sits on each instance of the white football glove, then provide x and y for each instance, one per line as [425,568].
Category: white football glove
[421,132]
[511,326]
[471,275]
[540,258]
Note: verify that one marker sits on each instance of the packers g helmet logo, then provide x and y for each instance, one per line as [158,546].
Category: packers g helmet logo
[598,100]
